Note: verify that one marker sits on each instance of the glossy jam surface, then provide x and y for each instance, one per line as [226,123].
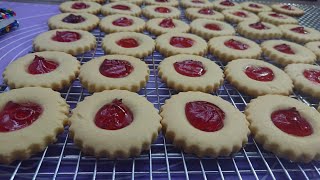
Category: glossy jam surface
[73,19]
[121,7]
[259,73]
[234,44]
[254,6]
[123,22]
[284,48]
[287,7]
[15,116]
[181,42]
[190,68]
[197,1]
[113,116]
[240,14]
[276,15]
[214,27]
[259,26]
[299,30]
[115,68]
[227,3]
[291,122]
[206,11]
[66,36]
[312,75]
[128,43]
[80,5]
[40,65]
[167,23]
[204,116]
[162,10]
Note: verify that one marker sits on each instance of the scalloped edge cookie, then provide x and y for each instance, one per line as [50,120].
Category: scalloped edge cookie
[294,12]
[193,13]
[245,30]
[229,16]
[174,3]
[219,7]
[191,4]
[153,26]
[94,8]
[91,22]
[137,2]
[314,47]
[246,6]
[313,34]
[106,25]
[107,9]
[150,13]
[264,16]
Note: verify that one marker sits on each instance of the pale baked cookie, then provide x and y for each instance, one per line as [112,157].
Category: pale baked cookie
[161,11]
[49,69]
[137,2]
[255,7]
[204,124]
[81,21]
[114,124]
[160,26]
[208,29]
[314,47]
[285,126]
[30,119]
[98,1]
[203,13]
[287,9]
[196,4]
[114,72]
[162,2]
[228,48]
[277,18]
[73,42]
[258,30]
[221,5]
[80,7]
[257,78]
[121,8]
[190,73]
[128,43]
[285,52]
[181,43]
[299,34]
[121,23]
[238,15]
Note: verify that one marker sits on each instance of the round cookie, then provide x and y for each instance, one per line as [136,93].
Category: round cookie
[181,43]
[208,29]
[137,2]
[238,15]
[174,3]
[160,26]
[114,72]
[228,48]
[81,21]
[287,9]
[128,43]
[97,1]
[73,42]
[285,52]
[193,120]
[221,5]
[190,73]
[255,7]
[115,115]
[258,30]
[314,47]
[196,4]
[277,18]
[285,126]
[121,23]
[299,34]
[257,78]
[121,8]
[80,7]
[161,11]
[203,13]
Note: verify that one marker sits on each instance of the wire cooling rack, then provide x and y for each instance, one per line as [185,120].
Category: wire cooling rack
[63,160]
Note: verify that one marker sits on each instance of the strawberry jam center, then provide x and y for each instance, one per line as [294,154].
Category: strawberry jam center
[167,23]
[312,75]
[123,21]
[121,7]
[287,7]
[276,15]
[128,43]
[299,30]
[204,116]
[41,65]
[113,116]
[66,36]
[197,1]
[80,5]
[15,116]
[162,0]
[214,27]
[181,42]
[162,10]
[206,11]
[234,44]
[284,48]
[73,19]
[115,68]
[240,14]
[254,6]
[259,73]
[290,121]
[227,3]
[259,26]
[190,68]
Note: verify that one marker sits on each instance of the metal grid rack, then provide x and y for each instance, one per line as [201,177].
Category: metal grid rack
[63,160]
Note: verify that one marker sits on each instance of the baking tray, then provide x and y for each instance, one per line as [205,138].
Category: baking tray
[63,160]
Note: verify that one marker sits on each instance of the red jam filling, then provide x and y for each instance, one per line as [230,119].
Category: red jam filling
[80,5]
[240,14]
[254,6]
[162,0]
[291,122]
[204,116]
[115,68]
[167,23]
[197,1]
[128,43]
[123,21]
[121,7]
[276,15]
[300,30]
[213,27]
[15,116]
[206,11]
[41,65]
[259,26]
[234,44]
[66,36]
[287,7]
[73,19]
[227,3]
[284,48]
[190,68]
[113,116]
[162,10]
[312,75]
[259,73]
[181,42]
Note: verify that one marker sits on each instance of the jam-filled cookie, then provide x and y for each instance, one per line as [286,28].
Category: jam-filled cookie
[97,1]
[196,4]
[314,47]
[161,11]
[203,13]
[121,23]
[194,120]
[81,21]
[121,8]
[80,7]
[255,7]
[238,15]
[299,34]
[258,30]
[221,5]
[114,124]
[160,26]
[162,2]
[277,18]
[137,2]
[287,9]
